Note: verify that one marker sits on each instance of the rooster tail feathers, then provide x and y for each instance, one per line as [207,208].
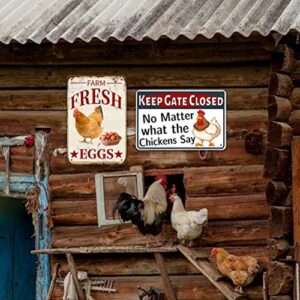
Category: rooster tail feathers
[149,212]
[127,205]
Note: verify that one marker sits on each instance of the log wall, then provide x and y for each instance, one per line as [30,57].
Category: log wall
[33,83]
[283,125]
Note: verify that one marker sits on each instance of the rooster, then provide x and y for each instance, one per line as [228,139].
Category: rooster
[242,270]
[147,214]
[89,126]
[206,131]
[187,224]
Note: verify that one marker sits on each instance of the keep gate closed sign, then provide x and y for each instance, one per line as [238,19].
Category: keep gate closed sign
[181,120]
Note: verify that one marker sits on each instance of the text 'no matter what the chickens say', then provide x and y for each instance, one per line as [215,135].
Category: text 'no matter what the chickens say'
[181,119]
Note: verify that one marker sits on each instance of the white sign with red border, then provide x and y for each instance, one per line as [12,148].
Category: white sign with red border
[97,120]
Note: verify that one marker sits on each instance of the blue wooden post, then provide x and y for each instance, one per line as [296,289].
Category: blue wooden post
[43,241]
[43,233]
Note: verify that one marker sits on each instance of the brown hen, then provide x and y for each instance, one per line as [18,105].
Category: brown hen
[242,270]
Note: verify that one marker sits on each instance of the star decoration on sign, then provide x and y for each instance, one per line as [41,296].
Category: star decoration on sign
[118,154]
[74,154]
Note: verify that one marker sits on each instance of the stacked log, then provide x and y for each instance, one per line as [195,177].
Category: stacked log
[277,170]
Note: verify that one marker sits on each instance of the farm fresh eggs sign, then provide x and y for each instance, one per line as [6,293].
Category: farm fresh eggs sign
[97,120]
[181,119]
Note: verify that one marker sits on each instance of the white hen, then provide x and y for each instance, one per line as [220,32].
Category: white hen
[187,224]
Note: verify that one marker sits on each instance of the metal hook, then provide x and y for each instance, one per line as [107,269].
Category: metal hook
[203,154]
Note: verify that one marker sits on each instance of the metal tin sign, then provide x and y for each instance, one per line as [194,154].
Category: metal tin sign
[181,119]
[97,120]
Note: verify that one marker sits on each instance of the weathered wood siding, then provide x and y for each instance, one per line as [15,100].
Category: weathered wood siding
[33,83]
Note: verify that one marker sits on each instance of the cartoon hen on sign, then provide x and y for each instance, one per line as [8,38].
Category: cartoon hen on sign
[205,131]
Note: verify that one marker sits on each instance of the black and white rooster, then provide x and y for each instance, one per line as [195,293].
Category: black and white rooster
[147,214]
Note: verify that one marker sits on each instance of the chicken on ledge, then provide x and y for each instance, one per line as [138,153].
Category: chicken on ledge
[242,270]
[187,224]
[147,214]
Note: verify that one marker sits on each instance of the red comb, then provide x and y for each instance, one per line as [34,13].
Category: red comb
[200,112]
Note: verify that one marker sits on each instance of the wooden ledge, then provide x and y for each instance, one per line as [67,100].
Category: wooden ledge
[106,249]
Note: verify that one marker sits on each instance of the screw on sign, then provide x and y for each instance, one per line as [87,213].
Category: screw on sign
[97,120]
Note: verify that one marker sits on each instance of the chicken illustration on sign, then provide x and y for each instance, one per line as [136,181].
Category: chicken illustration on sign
[206,131]
[181,120]
[96,120]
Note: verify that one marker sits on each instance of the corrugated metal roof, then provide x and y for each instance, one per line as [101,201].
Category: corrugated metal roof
[52,20]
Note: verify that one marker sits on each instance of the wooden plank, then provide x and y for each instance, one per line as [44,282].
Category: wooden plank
[296,196]
[251,232]
[21,160]
[279,108]
[295,75]
[72,267]
[277,164]
[56,99]
[42,232]
[294,121]
[236,232]
[18,182]
[189,76]
[134,53]
[82,211]
[210,273]
[295,100]
[25,122]
[6,155]
[114,264]
[18,164]
[106,249]
[187,287]
[52,284]
[71,185]
[279,134]
[280,278]
[284,59]
[74,211]
[234,154]
[277,193]
[12,141]
[238,179]
[281,221]
[278,248]
[231,207]
[281,85]
[168,289]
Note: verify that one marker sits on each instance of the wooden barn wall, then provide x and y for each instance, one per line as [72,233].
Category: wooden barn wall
[33,83]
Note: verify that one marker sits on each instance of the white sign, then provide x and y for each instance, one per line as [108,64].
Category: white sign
[181,119]
[97,120]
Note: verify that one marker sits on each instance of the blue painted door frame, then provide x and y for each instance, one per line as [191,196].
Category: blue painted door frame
[19,184]
[18,266]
